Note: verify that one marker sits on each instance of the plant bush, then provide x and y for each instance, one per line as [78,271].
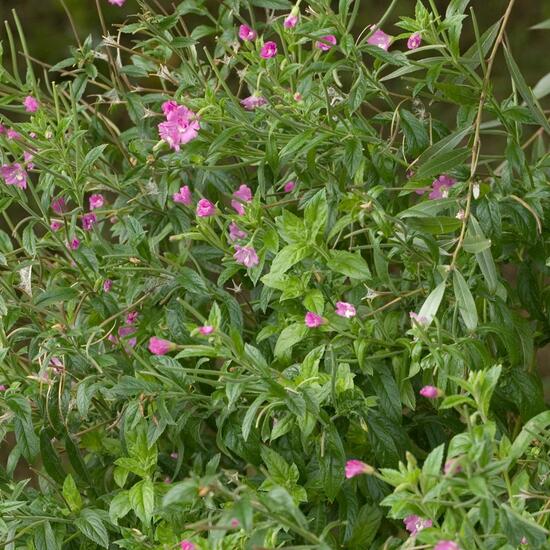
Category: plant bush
[253,288]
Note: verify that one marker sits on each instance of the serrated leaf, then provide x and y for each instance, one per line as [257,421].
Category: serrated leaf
[90,524]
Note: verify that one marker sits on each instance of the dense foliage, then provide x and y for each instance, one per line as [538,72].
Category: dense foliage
[271,280]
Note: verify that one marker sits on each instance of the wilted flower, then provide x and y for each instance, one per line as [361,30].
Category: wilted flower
[31,104]
[96,201]
[28,156]
[158,346]
[246,255]
[58,205]
[246,33]
[380,38]
[357,468]
[56,225]
[312,320]
[414,524]
[414,41]
[452,467]
[235,233]
[269,49]
[14,174]
[326,42]
[205,208]
[420,319]
[107,285]
[430,392]
[252,102]
[345,310]
[183,196]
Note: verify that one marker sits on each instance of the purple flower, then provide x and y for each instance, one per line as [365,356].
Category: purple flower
[56,225]
[235,233]
[74,243]
[414,524]
[269,49]
[246,255]
[430,392]
[27,156]
[446,545]
[243,193]
[345,310]
[357,468]
[96,201]
[246,33]
[158,346]
[88,221]
[14,174]
[131,318]
[58,205]
[187,545]
[312,320]
[326,42]
[414,41]
[380,38]
[180,127]
[107,285]
[31,104]
[206,330]
[252,102]
[12,134]
[289,187]
[183,196]
[441,186]
[205,208]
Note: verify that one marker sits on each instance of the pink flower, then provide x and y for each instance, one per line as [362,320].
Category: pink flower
[235,233]
[523,541]
[56,225]
[345,310]
[238,207]
[313,320]
[3,387]
[414,524]
[180,127]
[88,221]
[252,102]
[27,156]
[2,128]
[326,42]
[297,97]
[357,468]
[244,193]
[58,205]
[12,134]
[167,480]
[187,545]
[74,243]
[452,467]
[291,20]
[246,255]
[131,318]
[289,187]
[31,104]
[414,41]
[269,49]
[234,523]
[206,330]
[205,208]
[246,33]
[183,196]
[174,456]
[441,186]
[380,38]
[430,392]
[420,319]
[107,285]
[96,201]
[14,174]
[118,3]
[158,346]
[446,545]
[169,107]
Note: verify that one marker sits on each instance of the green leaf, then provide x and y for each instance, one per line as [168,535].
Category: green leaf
[526,92]
[516,526]
[431,305]
[531,430]
[543,25]
[441,162]
[71,494]
[484,257]
[316,213]
[466,303]
[431,469]
[250,415]
[55,296]
[349,264]
[288,256]
[50,458]
[44,538]
[272,4]
[119,507]
[365,527]
[289,337]
[90,524]
[142,500]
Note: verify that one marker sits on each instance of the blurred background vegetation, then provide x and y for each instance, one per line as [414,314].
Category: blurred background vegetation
[49,35]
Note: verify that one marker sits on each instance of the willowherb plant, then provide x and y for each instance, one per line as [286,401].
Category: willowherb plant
[252,283]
